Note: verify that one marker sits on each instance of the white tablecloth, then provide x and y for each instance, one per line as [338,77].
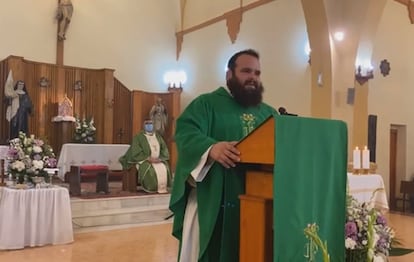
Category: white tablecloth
[35,217]
[368,187]
[90,154]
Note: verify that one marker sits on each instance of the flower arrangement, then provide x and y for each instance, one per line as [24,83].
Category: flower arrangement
[29,156]
[367,235]
[84,131]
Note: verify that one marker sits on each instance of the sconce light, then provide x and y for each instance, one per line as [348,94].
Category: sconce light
[44,82]
[308,52]
[175,80]
[78,85]
[110,102]
[362,75]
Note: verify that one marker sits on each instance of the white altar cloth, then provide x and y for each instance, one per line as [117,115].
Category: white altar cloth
[35,217]
[90,154]
[367,187]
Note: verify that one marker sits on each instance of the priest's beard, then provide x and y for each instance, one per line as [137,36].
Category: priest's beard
[247,94]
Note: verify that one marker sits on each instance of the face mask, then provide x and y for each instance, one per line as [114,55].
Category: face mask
[149,128]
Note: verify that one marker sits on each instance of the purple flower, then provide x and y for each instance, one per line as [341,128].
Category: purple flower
[51,162]
[350,229]
[381,220]
[37,157]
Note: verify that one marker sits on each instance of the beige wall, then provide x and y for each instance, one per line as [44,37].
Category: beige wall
[392,97]
[136,38]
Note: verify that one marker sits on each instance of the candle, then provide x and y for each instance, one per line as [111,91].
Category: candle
[357,158]
[365,158]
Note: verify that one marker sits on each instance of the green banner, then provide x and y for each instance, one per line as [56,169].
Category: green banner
[309,186]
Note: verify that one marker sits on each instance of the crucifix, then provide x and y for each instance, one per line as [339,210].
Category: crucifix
[63,16]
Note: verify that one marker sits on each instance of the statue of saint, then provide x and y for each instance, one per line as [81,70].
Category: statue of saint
[19,106]
[64,15]
[159,116]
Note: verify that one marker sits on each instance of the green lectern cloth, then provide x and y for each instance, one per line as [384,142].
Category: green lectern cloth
[309,186]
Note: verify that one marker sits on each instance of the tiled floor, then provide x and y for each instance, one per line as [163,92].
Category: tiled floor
[151,244]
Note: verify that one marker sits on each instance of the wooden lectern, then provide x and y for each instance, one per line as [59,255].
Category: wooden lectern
[256,205]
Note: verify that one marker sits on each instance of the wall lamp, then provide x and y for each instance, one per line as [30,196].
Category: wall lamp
[175,80]
[362,75]
[44,82]
[78,85]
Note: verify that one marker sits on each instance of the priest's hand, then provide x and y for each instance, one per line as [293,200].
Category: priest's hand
[225,153]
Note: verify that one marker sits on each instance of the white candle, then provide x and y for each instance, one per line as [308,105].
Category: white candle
[357,158]
[365,158]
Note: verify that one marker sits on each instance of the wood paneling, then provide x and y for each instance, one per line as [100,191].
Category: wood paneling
[118,112]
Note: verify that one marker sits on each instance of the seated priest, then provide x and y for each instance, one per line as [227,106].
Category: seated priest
[149,154]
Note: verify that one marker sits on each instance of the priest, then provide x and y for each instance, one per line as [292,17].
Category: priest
[149,154]
[208,179]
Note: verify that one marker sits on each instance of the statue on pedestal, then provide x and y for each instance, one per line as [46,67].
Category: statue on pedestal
[65,111]
[159,116]
[19,106]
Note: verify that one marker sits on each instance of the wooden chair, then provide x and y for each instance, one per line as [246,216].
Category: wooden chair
[129,179]
[407,189]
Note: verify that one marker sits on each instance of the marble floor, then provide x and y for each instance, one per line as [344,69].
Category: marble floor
[151,243]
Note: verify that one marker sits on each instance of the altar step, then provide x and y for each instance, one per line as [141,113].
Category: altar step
[97,214]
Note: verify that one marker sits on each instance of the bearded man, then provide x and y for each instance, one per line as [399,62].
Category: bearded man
[208,181]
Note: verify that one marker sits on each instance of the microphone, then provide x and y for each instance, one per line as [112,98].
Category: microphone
[283,111]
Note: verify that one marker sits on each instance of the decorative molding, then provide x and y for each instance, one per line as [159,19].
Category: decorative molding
[410,7]
[233,19]
[385,67]
[179,38]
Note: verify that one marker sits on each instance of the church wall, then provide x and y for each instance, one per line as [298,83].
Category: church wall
[392,97]
[135,38]
[285,70]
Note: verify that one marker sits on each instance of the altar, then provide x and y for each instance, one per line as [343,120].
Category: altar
[34,217]
[90,154]
[366,188]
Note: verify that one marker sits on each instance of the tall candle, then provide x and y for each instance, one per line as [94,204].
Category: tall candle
[357,158]
[365,158]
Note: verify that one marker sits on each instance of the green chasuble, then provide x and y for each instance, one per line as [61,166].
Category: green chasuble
[309,186]
[211,118]
[138,153]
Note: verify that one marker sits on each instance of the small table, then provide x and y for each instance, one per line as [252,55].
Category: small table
[365,188]
[35,217]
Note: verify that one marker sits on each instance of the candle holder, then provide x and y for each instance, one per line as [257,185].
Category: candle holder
[356,171]
[365,171]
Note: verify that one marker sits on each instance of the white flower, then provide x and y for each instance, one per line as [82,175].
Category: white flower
[378,259]
[350,243]
[37,149]
[37,164]
[18,165]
